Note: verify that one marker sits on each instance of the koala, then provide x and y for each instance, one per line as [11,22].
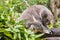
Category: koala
[37,18]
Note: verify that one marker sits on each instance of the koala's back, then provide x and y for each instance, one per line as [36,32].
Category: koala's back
[37,11]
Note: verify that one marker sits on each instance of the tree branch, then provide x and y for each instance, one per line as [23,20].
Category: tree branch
[54,36]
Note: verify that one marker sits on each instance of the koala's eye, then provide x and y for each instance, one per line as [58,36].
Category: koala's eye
[47,21]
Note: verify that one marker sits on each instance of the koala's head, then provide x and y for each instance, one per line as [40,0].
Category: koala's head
[47,18]
[37,26]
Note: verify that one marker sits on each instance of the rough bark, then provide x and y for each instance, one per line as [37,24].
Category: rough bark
[55,7]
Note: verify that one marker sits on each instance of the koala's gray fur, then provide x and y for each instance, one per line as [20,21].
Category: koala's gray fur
[37,17]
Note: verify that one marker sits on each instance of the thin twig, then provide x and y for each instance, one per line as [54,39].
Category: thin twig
[26,3]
